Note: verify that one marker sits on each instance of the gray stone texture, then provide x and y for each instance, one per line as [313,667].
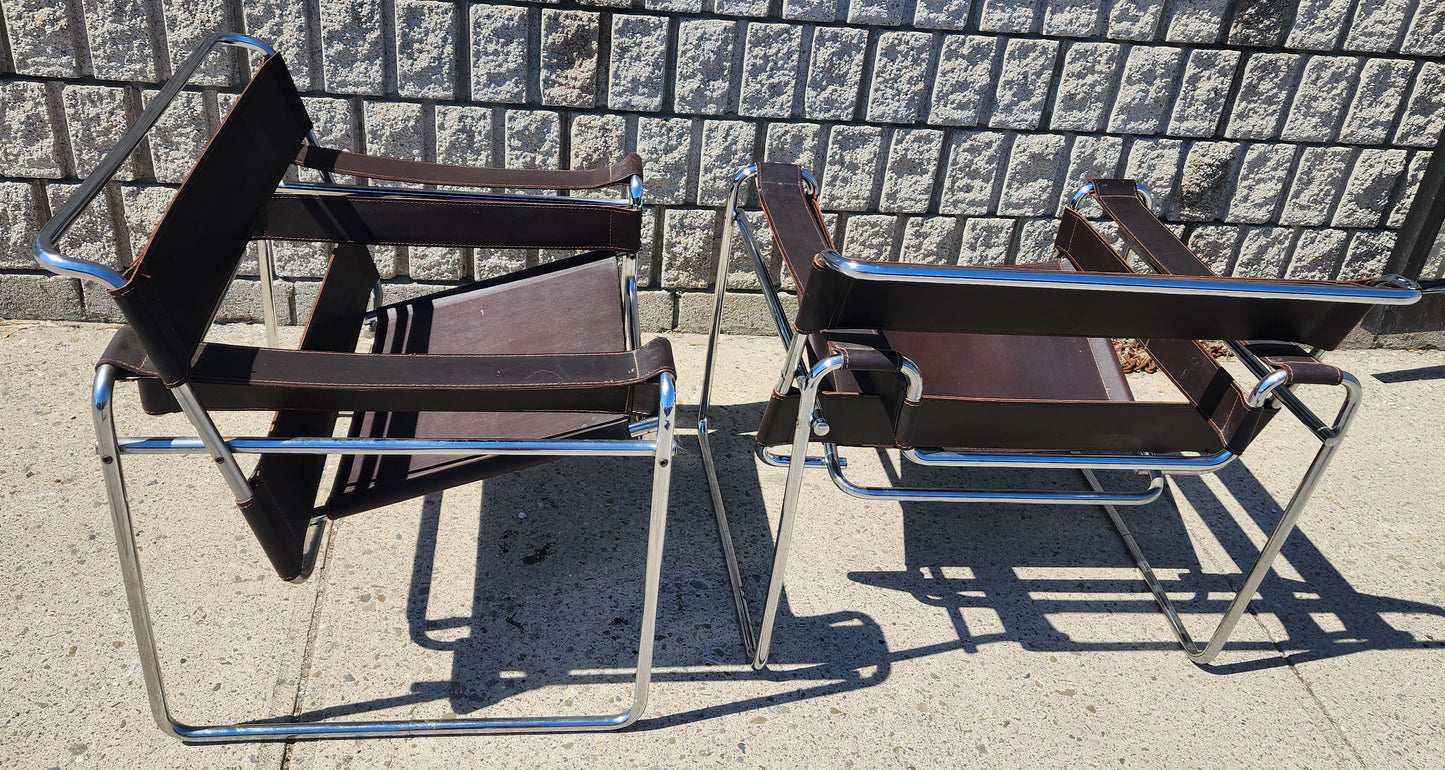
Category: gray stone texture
[42,37]
[884,13]
[727,147]
[736,7]
[1154,163]
[352,49]
[1263,93]
[28,146]
[494,263]
[744,313]
[1195,21]
[1416,173]
[1263,173]
[1036,240]
[974,159]
[188,22]
[1016,16]
[637,67]
[689,245]
[436,263]
[1030,187]
[1377,25]
[930,240]
[1134,19]
[912,166]
[19,221]
[534,140]
[179,136]
[1367,193]
[1263,252]
[1425,112]
[141,209]
[985,241]
[941,14]
[1072,18]
[665,145]
[96,116]
[871,237]
[852,164]
[678,6]
[1092,157]
[1319,103]
[1209,168]
[500,46]
[770,70]
[1086,87]
[1145,90]
[1023,85]
[897,90]
[799,143]
[569,58]
[91,237]
[120,46]
[704,74]
[1318,183]
[393,129]
[597,140]
[1318,24]
[1426,34]
[334,126]
[1317,255]
[426,44]
[835,70]
[964,80]
[1203,92]
[810,10]
[1259,23]
[278,23]
[1377,100]
[1366,255]
[1215,246]
[48,297]
[463,135]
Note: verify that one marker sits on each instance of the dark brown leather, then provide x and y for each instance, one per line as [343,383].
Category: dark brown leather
[373,218]
[1299,366]
[1157,244]
[400,170]
[174,289]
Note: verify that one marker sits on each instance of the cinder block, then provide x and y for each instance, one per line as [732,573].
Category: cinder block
[1367,192]
[834,73]
[463,135]
[656,311]
[899,62]
[27,137]
[1072,18]
[912,166]
[97,117]
[744,313]
[1425,112]
[500,47]
[1317,255]
[1407,191]
[941,14]
[1203,190]
[141,209]
[1318,24]
[100,308]
[1202,92]
[179,136]
[1154,163]
[1086,87]
[188,23]
[650,216]
[1263,252]
[638,67]
[852,165]
[1023,86]
[19,221]
[93,235]
[393,129]
[1366,255]
[1267,82]
[274,21]
[770,70]
[799,143]
[1376,101]
[598,140]
[426,49]
[119,39]
[534,140]
[930,240]
[494,263]
[351,46]
[973,164]
[810,10]
[1030,187]
[666,145]
[1093,157]
[676,6]
[1215,246]
[569,58]
[1134,19]
[1259,23]
[1378,25]
[727,146]
[42,34]
[873,237]
[1011,16]
[704,75]
[1317,185]
[1320,101]
[1146,90]
[335,127]
[738,7]
[689,248]
[986,241]
[1036,240]
[1424,37]
[964,81]
[1263,173]
[47,297]
[436,263]
[1195,21]
[883,13]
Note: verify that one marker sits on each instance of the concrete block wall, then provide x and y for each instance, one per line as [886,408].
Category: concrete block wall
[1280,138]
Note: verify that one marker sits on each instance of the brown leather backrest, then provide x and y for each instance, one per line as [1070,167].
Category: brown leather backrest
[172,292]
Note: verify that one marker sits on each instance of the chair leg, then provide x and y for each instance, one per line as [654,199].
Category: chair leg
[1331,440]
[109,449]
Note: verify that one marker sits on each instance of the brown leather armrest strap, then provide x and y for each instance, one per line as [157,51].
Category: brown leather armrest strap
[421,172]
[865,358]
[1299,366]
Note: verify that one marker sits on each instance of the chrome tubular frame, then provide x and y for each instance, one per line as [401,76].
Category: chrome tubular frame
[111,448]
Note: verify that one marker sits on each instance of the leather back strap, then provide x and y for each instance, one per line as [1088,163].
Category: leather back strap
[420,172]
[1157,244]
